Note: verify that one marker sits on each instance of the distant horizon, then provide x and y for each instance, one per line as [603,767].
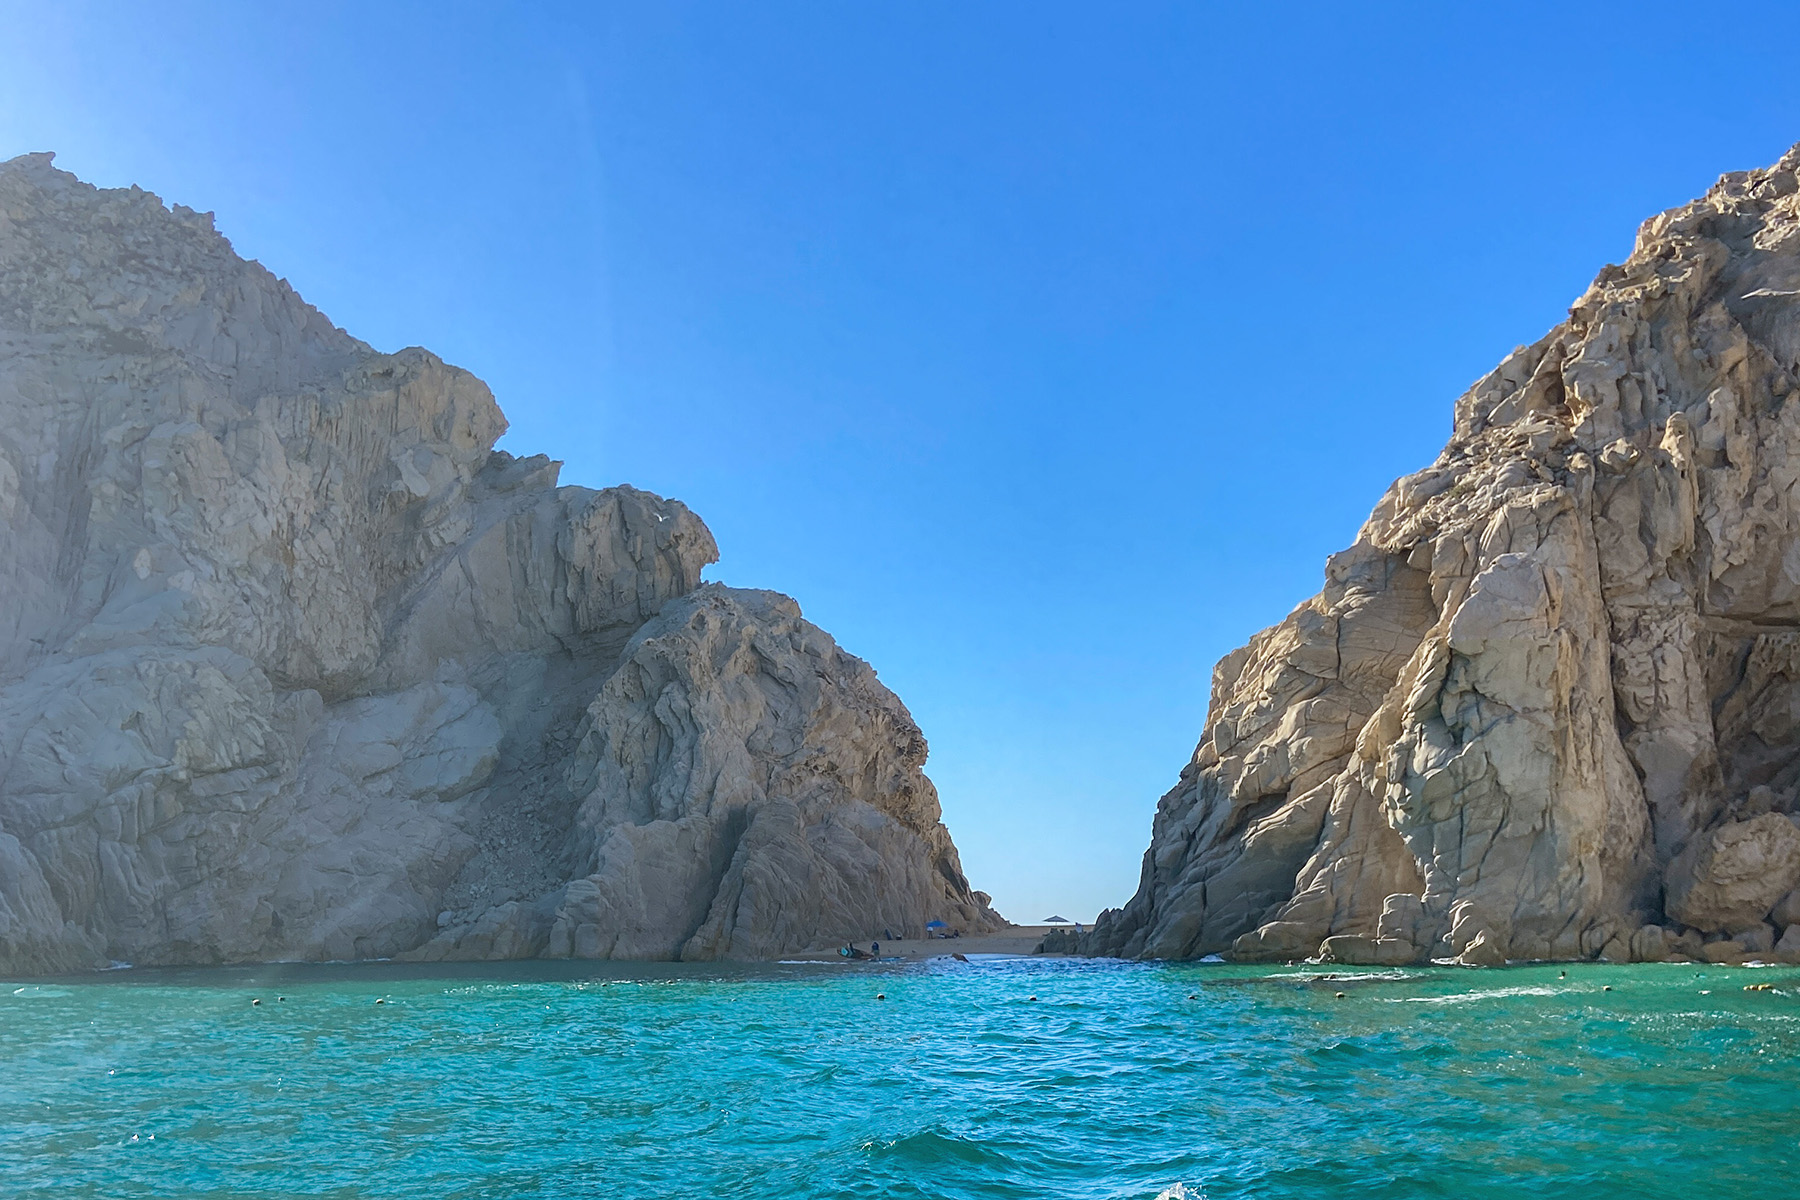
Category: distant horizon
[1042,358]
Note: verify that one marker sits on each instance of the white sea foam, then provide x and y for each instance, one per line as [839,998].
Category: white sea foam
[1490,994]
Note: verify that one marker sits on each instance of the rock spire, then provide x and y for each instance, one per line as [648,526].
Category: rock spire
[1548,704]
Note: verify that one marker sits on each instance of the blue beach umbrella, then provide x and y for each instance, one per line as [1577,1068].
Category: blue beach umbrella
[936,925]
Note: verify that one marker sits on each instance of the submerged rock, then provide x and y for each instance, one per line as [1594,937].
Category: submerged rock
[295,665]
[1550,698]
[1362,950]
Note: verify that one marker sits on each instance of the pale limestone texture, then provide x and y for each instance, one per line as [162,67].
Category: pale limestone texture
[295,665]
[1729,878]
[1548,704]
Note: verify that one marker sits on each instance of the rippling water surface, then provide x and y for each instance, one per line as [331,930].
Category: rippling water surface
[1117,1080]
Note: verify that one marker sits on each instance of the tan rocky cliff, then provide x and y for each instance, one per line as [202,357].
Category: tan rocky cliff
[295,665]
[1548,704]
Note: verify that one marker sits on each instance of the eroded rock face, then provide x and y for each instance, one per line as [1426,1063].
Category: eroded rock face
[295,665]
[1730,877]
[1549,702]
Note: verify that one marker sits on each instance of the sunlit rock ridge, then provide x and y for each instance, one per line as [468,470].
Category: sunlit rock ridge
[295,665]
[1547,706]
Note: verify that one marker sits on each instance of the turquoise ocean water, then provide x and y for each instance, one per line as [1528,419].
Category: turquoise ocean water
[1118,1080]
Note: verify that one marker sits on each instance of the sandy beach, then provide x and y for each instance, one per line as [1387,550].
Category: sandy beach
[1015,939]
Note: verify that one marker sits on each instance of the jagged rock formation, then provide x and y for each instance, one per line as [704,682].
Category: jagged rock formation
[1548,705]
[295,665]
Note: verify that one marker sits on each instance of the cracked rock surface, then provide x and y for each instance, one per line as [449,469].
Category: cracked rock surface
[1547,706]
[295,665]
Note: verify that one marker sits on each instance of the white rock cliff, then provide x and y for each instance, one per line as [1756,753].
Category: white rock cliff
[1548,704]
[295,665]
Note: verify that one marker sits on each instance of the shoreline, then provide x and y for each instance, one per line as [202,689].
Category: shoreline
[1020,940]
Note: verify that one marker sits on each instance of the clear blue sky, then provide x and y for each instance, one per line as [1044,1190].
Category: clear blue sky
[1043,351]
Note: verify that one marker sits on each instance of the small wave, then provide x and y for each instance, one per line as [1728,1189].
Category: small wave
[1345,1050]
[936,1146]
[1180,1191]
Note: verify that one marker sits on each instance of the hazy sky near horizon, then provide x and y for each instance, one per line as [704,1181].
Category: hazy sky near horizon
[1042,351]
